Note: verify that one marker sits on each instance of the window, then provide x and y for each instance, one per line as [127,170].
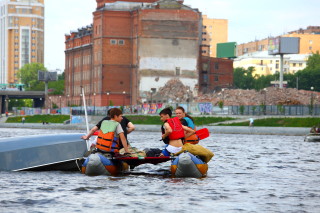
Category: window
[216,78]
[216,65]
[294,64]
[113,42]
[261,62]
[177,71]
[277,66]
[205,78]
[300,64]
[121,42]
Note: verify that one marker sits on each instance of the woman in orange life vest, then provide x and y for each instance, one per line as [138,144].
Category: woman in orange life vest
[187,120]
[172,132]
[109,134]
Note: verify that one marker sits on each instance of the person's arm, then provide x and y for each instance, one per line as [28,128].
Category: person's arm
[124,142]
[189,131]
[86,137]
[130,127]
[167,129]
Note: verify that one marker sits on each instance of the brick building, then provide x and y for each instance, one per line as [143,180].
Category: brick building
[132,48]
[215,74]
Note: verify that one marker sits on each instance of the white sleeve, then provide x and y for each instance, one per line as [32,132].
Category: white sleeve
[119,129]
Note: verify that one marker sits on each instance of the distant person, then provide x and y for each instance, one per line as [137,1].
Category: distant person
[23,120]
[251,122]
[7,113]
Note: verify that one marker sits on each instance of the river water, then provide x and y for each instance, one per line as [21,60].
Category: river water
[249,173]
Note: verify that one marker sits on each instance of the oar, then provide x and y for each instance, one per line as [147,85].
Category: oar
[203,133]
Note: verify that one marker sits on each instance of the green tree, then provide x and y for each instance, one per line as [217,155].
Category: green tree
[28,75]
[313,62]
[243,78]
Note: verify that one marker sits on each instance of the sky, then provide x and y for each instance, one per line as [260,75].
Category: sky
[248,20]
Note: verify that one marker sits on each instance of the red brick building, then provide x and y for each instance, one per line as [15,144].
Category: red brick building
[215,74]
[132,48]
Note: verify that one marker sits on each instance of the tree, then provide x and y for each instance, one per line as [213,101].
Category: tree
[243,78]
[313,62]
[28,75]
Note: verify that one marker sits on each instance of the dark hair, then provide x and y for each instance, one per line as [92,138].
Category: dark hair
[166,111]
[115,112]
[182,109]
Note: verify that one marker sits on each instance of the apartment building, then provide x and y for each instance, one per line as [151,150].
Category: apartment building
[265,64]
[21,36]
[214,31]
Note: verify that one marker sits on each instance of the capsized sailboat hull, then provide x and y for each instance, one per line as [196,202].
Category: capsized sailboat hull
[42,152]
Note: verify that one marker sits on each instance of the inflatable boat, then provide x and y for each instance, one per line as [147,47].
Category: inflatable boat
[312,137]
[184,165]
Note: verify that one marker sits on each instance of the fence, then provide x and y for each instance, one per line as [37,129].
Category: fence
[192,108]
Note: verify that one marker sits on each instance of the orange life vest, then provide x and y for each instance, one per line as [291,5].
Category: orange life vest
[193,139]
[177,130]
[106,140]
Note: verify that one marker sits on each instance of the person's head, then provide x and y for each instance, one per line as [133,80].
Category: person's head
[165,114]
[108,113]
[116,114]
[180,112]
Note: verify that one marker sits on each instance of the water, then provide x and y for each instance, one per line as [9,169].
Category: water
[249,173]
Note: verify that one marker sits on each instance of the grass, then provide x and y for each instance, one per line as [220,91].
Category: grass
[280,122]
[199,121]
[39,119]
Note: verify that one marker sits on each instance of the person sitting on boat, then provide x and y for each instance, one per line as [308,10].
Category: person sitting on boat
[109,134]
[188,121]
[126,124]
[173,132]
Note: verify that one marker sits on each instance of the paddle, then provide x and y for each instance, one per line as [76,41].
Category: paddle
[202,133]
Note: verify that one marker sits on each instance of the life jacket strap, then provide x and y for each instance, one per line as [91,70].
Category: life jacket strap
[104,138]
[110,147]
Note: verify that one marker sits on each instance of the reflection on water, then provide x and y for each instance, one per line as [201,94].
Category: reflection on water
[249,173]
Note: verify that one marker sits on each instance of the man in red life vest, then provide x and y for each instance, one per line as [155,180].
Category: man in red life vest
[172,132]
[109,134]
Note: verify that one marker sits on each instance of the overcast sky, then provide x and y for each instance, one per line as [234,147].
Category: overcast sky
[248,20]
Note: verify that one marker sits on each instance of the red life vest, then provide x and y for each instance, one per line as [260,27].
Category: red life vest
[177,130]
[107,141]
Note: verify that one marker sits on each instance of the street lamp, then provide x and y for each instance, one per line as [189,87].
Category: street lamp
[60,103]
[311,101]
[50,105]
[94,103]
[124,96]
[108,98]
[265,101]
[68,100]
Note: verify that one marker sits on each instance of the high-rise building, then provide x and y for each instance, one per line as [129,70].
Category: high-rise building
[214,31]
[21,36]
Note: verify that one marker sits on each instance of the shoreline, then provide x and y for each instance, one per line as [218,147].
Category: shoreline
[289,131]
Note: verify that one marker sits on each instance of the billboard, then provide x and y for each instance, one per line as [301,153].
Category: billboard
[283,45]
[227,50]
[47,76]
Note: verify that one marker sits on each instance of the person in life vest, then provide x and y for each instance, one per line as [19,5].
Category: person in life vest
[125,123]
[109,134]
[173,132]
[187,120]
